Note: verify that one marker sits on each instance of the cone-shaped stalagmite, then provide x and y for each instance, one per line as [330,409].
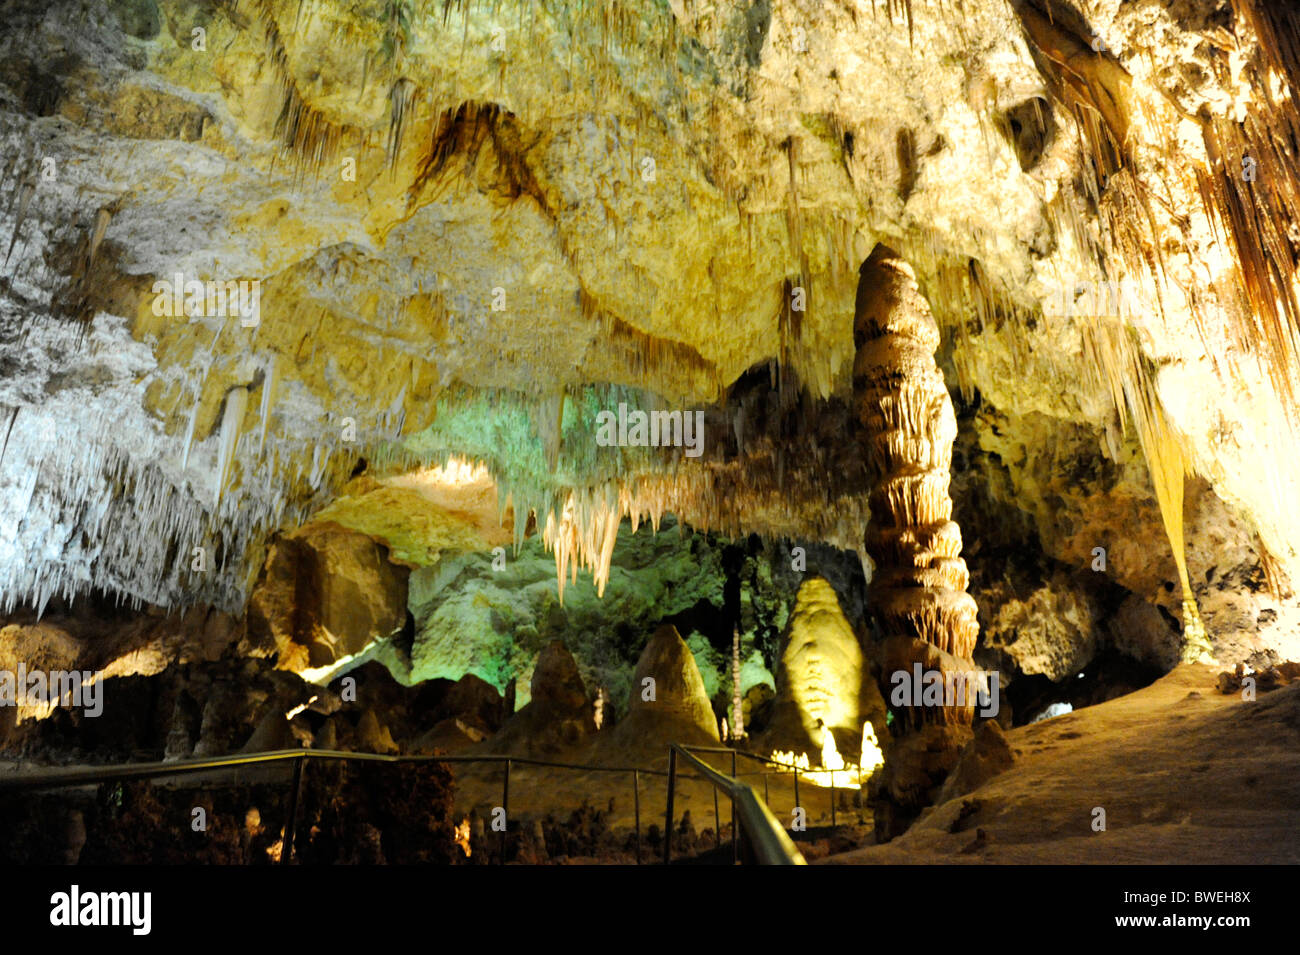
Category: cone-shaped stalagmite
[919,588]
[823,679]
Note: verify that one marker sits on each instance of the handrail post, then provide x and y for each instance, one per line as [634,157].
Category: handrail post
[796,787]
[291,816]
[668,815]
[636,809]
[832,797]
[505,809]
[862,798]
[717,820]
[735,831]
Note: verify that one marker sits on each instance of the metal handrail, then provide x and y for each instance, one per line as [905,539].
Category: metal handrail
[81,776]
[770,843]
[97,774]
[784,767]
[769,838]
[59,778]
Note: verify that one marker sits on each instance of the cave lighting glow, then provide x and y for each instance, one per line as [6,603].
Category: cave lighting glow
[834,771]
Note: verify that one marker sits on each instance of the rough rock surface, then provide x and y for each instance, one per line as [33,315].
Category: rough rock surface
[767,173]
[679,711]
[492,619]
[1054,630]
[1236,800]
[111,643]
[325,594]
[984,757]
[824,679]
[914,775]
[558,719]
[919,587]
[647,188]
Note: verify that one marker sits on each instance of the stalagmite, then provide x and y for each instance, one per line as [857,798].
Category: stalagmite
[737,702]
[919,588]
[823,680]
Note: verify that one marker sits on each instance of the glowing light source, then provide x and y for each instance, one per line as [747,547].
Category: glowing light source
[299,708]
[460,835]
[456,473]
[834,771]
[831,758]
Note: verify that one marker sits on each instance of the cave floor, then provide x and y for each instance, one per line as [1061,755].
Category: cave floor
[536,792]
[1184,773]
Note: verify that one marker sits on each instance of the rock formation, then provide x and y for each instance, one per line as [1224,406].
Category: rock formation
[823,680]
[558,718]
[919,586]
[324,595]
[668,703]
[309,311]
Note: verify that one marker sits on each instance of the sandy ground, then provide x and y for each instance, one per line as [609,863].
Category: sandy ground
[1184,773]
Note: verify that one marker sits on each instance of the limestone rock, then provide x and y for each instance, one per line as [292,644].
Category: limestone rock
[557,685]
[272,732]
[756,707]
[914,773]
[1051,631]
[40,646]
[325,594]
[984,757]
[139,18]
[475,702]
[1139,630]
[823,679]
[557,718]
[473,618]
[451,735]
[919,588]
[899,657]
[375,737]
[679,711]
[679,694]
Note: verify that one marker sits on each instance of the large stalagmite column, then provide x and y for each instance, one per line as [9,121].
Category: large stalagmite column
[919,589]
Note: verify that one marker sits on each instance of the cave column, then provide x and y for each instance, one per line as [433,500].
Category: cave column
[918,592]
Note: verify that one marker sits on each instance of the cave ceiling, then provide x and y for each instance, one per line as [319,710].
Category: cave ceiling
[472,226]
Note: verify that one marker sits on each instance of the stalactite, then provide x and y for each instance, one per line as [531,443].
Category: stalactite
[1113,355]
[652,360]
[264,412]
[308,134]
[1098,91]
[400,98]
[24,194]
[919,589]
[189,434]
[231,421]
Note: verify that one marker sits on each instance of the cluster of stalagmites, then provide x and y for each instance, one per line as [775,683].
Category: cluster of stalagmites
[919,588]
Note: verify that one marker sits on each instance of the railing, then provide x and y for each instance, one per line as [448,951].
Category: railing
[60,779]
[766,840]
[784,769]
[770,843]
